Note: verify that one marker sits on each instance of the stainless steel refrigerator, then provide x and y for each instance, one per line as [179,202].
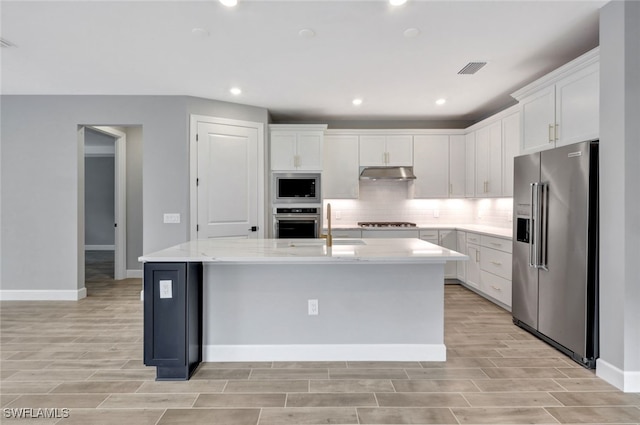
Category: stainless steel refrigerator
[555,248]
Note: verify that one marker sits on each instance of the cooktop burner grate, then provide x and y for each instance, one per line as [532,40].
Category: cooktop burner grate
[385,224]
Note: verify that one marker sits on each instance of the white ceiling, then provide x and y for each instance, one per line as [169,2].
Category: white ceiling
[148,48]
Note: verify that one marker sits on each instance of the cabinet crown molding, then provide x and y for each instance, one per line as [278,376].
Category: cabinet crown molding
[589,58]
[298,127]
[392,132]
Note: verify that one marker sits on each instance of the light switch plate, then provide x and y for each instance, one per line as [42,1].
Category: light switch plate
[172,218]
[166,289]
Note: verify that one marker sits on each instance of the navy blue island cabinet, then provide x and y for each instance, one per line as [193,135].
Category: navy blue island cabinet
[173,319]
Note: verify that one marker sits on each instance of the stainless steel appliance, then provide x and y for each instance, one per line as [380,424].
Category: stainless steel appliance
[385,224]
[296,188]
[555,248]
[296,222]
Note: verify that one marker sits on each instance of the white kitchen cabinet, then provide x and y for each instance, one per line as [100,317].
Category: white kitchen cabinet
[461,266]
[510,149]
[457,165]
[431,166]
[470,165]
[340,173]
[538,116]
[473,264]
[296,147]
[562,107]
[489,161]
[345,233]
[429,236]
[578,106]
[386,150]
[394,233]
[495,269]
[447,239]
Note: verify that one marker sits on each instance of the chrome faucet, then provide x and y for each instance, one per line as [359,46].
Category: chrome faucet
[328,236]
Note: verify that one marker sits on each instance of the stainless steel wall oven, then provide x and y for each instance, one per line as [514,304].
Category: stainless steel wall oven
[296,222]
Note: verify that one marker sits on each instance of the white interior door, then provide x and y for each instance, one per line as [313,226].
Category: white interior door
[228,182]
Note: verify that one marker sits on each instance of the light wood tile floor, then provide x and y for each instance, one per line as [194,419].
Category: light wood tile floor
[86,356]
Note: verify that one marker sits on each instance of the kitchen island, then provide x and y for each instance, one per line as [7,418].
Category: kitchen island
[294,300]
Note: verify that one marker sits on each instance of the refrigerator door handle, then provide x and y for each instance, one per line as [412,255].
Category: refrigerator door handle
[543,203]
[532,233]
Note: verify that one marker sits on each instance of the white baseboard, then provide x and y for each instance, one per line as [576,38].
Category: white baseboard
[134,274]
[42,295]
[99,247]
[629,382]
[325,352]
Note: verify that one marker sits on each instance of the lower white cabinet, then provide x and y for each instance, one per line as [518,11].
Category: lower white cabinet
[395,233]
[461,266]
[488,270]
[473,264]
[447,239]
[345,233]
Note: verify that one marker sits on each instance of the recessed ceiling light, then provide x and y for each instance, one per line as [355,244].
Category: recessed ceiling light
[411,32]
[235,91]
[357,101]
[397,2]
[229,3]
[306,33]
[199,32]
[441,101]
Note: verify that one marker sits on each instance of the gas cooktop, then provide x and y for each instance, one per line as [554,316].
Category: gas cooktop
[385,224]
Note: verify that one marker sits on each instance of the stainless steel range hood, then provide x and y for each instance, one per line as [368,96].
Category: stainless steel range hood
[387,173]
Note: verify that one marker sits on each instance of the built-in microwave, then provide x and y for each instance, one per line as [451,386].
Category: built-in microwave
[289,188]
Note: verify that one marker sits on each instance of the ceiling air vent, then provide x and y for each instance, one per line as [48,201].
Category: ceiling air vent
[5,43]
[472,68]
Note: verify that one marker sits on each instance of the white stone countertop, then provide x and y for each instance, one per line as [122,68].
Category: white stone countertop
[311,251]
[501,232]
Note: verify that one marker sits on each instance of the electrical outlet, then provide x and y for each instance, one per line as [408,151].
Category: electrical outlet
[166,290]
[313,307]
[338,215]
[436,213]
[172,218]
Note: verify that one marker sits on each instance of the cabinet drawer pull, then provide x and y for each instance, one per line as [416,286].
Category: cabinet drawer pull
[477,256]
[473,239]
[550,133]
[495,243]
[497,263]
[556,132]
[496,288]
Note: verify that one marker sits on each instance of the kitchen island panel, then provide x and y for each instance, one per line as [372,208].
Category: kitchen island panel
[365,312]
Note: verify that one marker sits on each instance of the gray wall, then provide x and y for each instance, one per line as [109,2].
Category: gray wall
[619,177]
[99,201]
[40,157]
[134,197]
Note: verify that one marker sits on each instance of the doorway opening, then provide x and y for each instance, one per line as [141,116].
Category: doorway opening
[104,203]
[110,203]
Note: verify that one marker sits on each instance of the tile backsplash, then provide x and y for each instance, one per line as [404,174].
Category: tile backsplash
[392,201]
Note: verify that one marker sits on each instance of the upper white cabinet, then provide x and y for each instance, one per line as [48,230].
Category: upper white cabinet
[489,161]
[340,175]
[386,150]
[470,165]
[457,166]
[296,147]
[431,166]
[439,166]
[510,149]
[562,107]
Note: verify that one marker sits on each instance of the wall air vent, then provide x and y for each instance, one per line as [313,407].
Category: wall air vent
[472,68]
[5,43]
